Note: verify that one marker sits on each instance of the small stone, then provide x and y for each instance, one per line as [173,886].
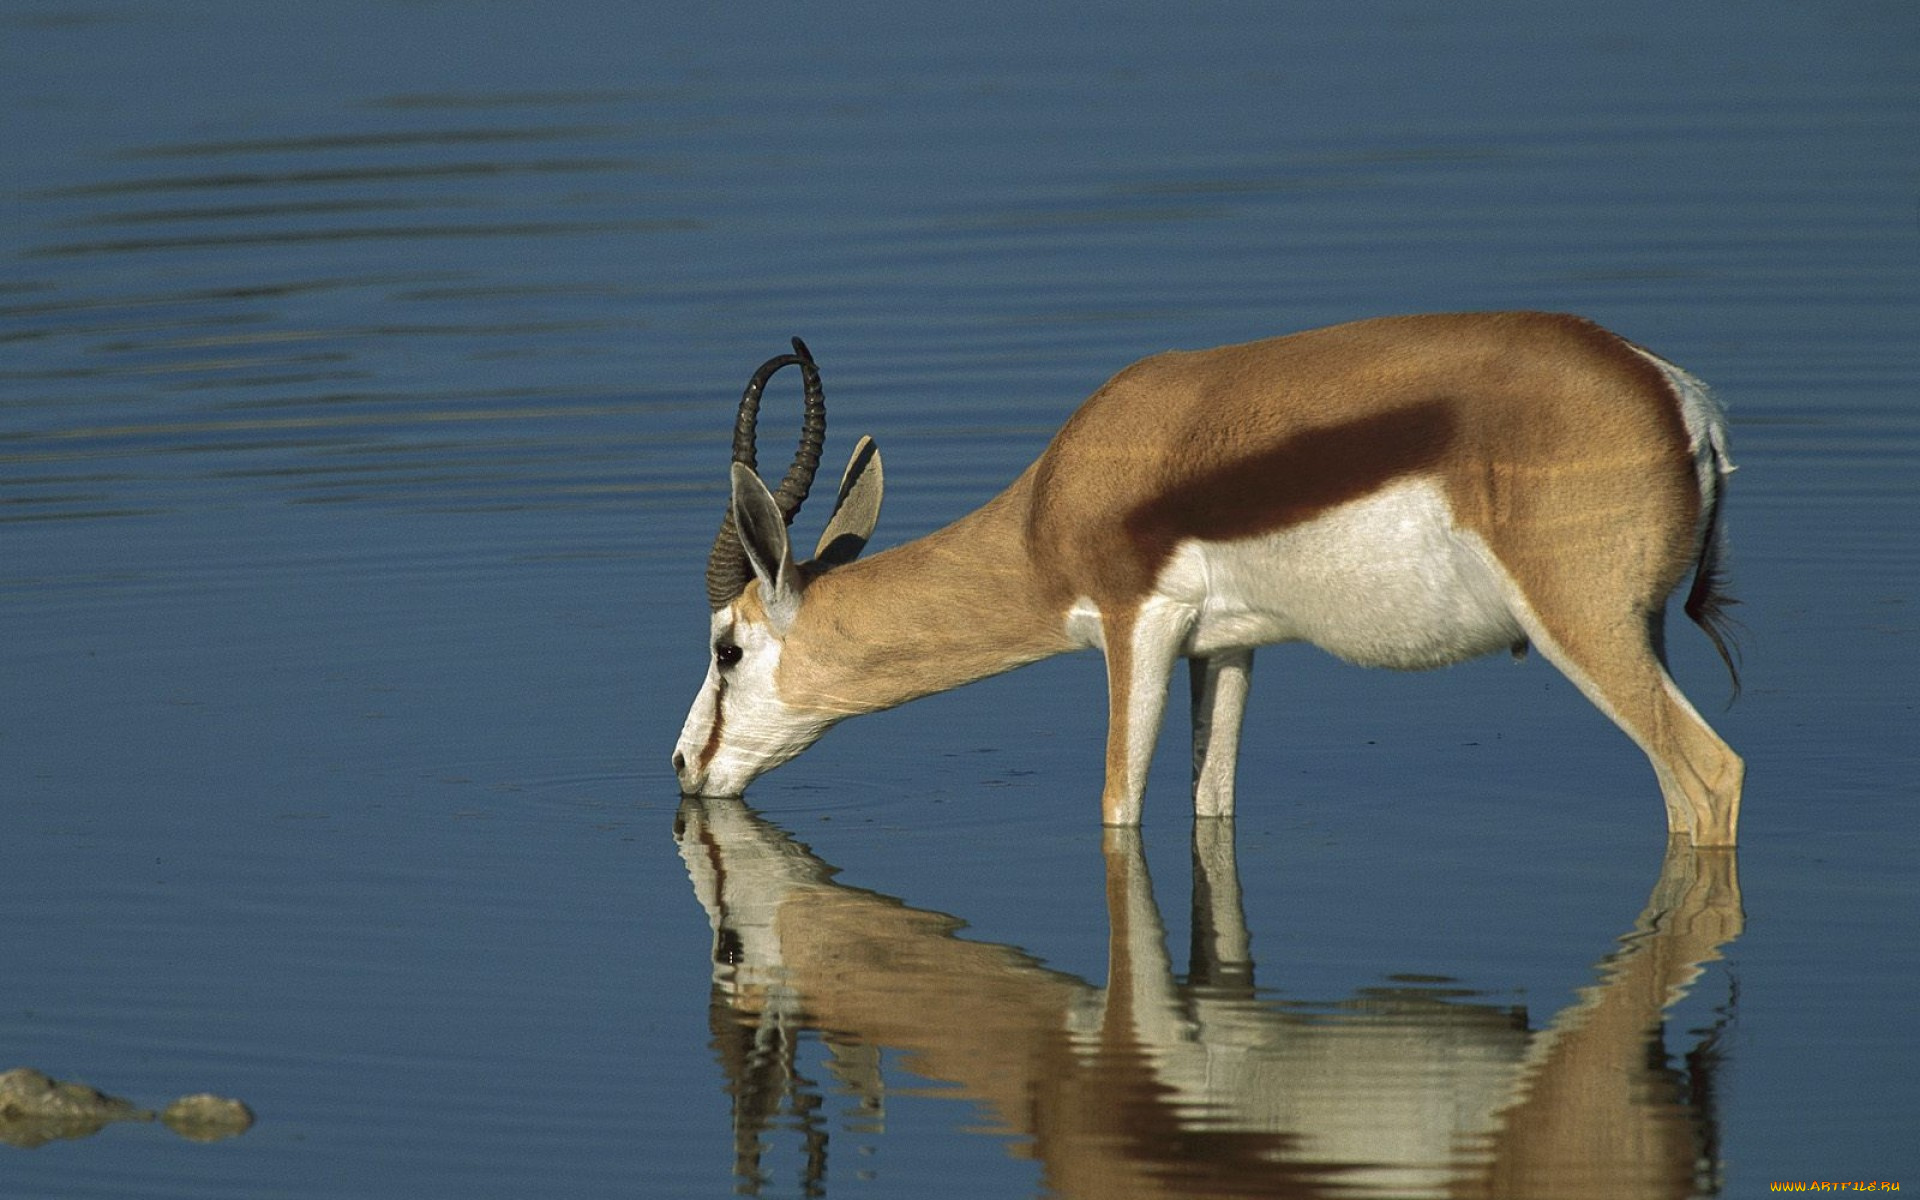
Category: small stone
[204,1117]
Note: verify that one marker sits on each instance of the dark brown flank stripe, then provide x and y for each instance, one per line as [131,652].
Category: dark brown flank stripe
[1293,482]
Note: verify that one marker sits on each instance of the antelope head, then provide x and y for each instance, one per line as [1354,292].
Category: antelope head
[740,725]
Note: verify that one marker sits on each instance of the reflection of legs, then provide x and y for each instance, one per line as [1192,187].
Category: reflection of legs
[1695,906]
[1221,956]
[1220,683]
[1618,667]
[1584,1121]
[856,1065]
[1140,996]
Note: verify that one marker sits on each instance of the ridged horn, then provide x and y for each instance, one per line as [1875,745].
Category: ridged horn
[727,570]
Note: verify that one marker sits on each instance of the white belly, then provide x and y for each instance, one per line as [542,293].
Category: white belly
[1387,581]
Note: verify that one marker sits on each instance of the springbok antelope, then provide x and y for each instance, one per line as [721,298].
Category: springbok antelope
[1404,492]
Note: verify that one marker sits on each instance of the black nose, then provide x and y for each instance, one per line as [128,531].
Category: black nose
[679,762]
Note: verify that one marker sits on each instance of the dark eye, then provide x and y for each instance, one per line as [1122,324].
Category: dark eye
[726,654]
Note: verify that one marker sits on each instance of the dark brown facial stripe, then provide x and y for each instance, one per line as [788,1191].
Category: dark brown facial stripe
[1295,481]
[719,721]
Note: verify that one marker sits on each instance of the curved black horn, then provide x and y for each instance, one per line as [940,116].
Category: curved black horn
[793,489]
[727,570]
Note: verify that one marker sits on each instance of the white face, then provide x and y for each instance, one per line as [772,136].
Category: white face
[738,727]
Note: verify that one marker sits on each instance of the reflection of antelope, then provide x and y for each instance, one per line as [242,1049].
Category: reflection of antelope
[1408,493]
[1150,1086]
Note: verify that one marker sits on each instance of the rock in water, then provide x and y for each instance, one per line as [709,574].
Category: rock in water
[204,1117]
[36,1109]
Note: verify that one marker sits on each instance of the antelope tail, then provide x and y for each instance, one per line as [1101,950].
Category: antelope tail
[1708,600]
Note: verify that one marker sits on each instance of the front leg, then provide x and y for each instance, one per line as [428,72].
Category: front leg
[1220,682]
[1141,647]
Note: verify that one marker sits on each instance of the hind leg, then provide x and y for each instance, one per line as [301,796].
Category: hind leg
[1618,665]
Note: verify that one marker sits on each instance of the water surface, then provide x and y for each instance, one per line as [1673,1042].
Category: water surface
[365,374]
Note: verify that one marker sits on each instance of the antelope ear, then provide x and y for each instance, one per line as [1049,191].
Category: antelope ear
[763,535]
[856,510]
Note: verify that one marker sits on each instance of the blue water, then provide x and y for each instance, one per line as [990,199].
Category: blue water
[365,375]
